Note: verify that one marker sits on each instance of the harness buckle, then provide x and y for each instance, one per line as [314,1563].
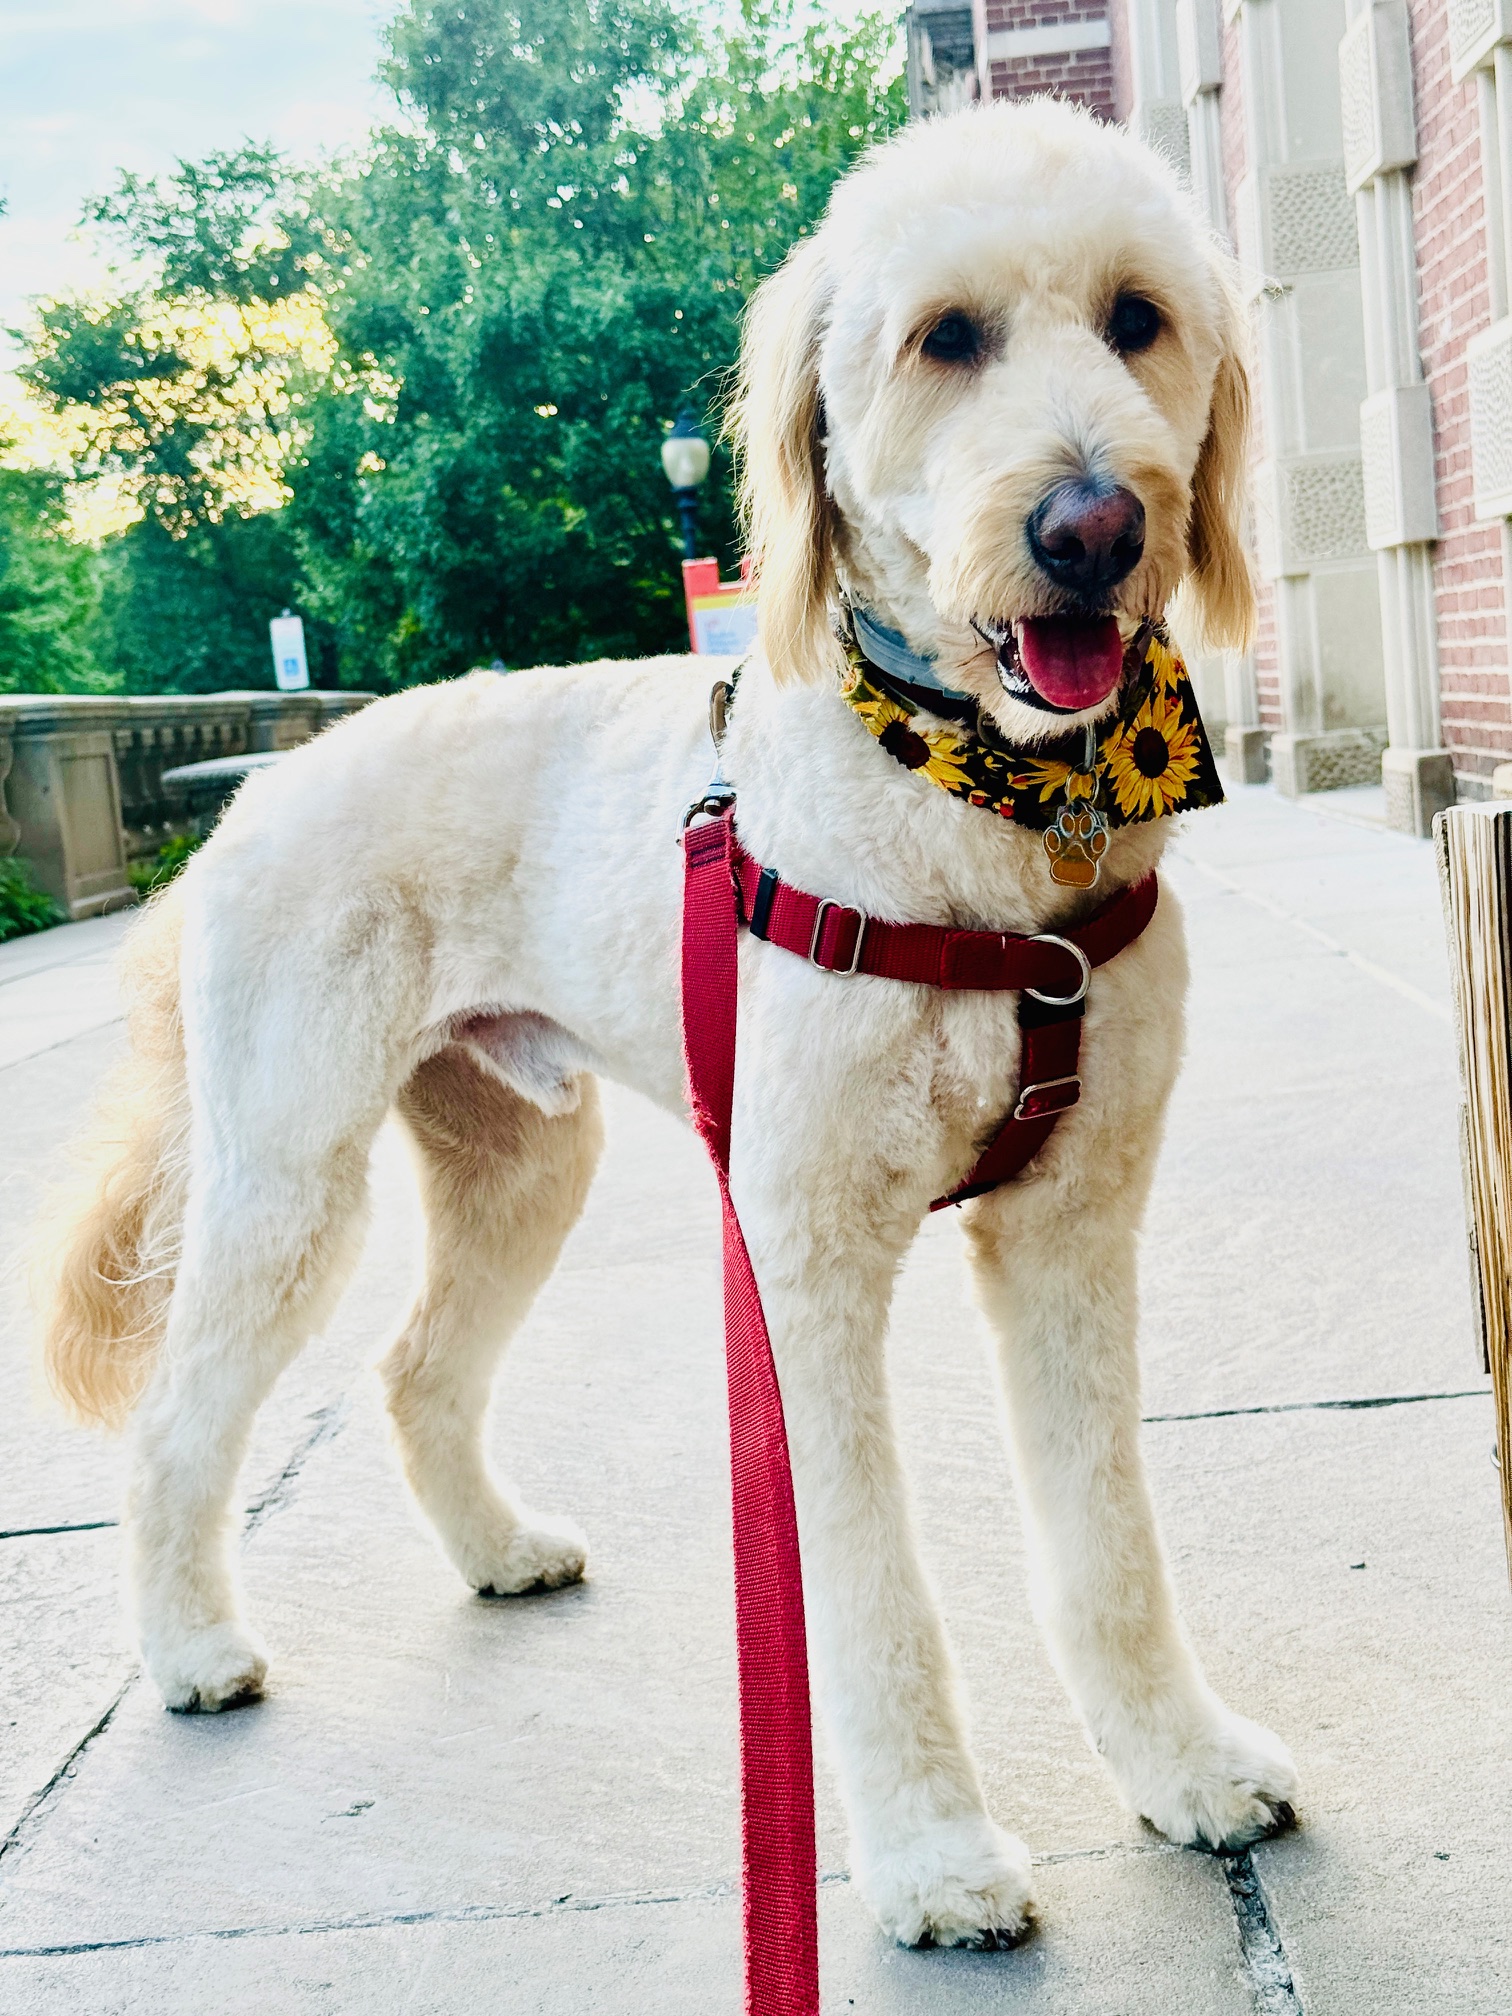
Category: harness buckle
[819,915]
[1063,1000]
[1070,1087]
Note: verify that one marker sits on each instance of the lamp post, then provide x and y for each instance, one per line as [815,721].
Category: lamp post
[685,457]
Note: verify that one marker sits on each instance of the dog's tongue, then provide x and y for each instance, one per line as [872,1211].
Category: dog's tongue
[1073,662]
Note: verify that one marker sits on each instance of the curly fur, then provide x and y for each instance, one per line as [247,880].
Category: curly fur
[464,902]
[103,1279]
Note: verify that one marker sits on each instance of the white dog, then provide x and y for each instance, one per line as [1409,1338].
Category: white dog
[996,398]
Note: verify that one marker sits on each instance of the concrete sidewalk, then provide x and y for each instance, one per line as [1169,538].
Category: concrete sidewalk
[451,1805]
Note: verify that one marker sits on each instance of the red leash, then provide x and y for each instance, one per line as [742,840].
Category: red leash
[776,1743]
[723,887]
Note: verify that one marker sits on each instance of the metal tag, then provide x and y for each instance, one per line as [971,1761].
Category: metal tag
[1076,844]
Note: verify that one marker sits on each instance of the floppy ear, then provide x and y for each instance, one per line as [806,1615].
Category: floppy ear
[1221,589]
[777,423]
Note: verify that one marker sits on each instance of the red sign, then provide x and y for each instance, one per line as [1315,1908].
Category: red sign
[721,614]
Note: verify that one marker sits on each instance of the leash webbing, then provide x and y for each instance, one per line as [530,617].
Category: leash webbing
[779,1875]
[723,886]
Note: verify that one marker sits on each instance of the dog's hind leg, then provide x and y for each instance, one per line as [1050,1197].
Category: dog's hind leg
[268,1241]
[297,1032]
[502,1183]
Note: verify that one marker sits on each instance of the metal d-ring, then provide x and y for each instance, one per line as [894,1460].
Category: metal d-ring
[1063,1000]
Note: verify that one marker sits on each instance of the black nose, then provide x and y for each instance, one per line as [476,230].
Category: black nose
[1087,536]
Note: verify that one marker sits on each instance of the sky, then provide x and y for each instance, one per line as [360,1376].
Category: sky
[91,86]
[88,87]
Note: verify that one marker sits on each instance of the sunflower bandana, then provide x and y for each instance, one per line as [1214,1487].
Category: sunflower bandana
[1149,759]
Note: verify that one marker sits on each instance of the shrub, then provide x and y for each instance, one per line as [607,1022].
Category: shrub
[169,860]
[23,906]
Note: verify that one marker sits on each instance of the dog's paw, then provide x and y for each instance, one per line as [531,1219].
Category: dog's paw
[1231,1784]
[205,1671]
[538,1553]
[957,1883]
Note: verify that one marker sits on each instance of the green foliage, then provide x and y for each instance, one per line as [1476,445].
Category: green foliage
[190,614]
[23,906]
[48,591]
[169,861]
[526,276]
[233,227]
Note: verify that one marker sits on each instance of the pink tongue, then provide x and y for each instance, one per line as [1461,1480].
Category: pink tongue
[1073,662]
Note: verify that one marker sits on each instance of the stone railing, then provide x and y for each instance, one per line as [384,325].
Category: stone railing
[81,775]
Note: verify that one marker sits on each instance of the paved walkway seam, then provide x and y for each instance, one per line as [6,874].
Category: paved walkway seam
[69,1526]
[1320,1406]
[39,1801]
[1381,974]
[494,1914]
[1265,1961]
[327,1422]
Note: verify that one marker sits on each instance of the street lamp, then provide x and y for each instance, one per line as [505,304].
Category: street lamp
[685,457]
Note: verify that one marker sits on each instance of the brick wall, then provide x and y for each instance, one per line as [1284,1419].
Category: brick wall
[1085,75]
[1042,13]
[1454,305]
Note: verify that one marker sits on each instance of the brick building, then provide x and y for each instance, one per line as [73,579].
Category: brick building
[1354,153]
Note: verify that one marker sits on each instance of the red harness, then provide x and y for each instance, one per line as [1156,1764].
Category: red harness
[724,888]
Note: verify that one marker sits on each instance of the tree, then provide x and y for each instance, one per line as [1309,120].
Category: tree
[420,393]
[49,593]
[548,260]
[188,393]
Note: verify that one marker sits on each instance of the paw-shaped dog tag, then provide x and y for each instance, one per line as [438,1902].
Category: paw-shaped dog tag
[1076,844]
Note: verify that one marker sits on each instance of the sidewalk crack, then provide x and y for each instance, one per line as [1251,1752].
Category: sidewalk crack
[326,1422]
[67,1769]
[1323,1406]
[1265,1962]
[1382,975]
[68,1526]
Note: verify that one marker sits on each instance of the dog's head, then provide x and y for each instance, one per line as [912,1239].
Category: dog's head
[999,397]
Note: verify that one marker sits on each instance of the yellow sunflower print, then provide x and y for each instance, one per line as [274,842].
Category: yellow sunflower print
[1047,776]
[1152,759]
[934,751]
[1167,667]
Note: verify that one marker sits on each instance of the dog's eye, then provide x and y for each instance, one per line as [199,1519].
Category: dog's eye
[954,339]
[1134,323]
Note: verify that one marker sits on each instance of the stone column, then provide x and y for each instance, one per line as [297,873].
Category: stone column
[10,832]
[1299,248]
[1396,419]
[1200,49]
[1156,113]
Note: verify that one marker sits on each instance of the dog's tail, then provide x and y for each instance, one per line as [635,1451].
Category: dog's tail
[109,1248]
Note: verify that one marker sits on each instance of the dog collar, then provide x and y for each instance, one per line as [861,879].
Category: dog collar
[889,651]
[1150,759]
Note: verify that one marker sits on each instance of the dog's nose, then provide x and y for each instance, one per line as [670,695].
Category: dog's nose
[1087,536]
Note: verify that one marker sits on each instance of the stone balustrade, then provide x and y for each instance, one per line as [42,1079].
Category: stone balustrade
[81,775]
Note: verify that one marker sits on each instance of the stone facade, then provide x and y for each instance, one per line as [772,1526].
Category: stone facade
[1358,156]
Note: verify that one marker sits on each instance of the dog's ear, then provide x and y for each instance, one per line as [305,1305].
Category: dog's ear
[778,425]
[1220,585]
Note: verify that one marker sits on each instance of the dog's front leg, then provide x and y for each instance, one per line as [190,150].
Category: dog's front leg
[1056,1275]
[925,1854]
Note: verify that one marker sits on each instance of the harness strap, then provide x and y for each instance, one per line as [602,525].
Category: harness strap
[841,940]
[780,1882]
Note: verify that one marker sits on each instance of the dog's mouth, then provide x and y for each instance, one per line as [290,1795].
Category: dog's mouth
[1062,664]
